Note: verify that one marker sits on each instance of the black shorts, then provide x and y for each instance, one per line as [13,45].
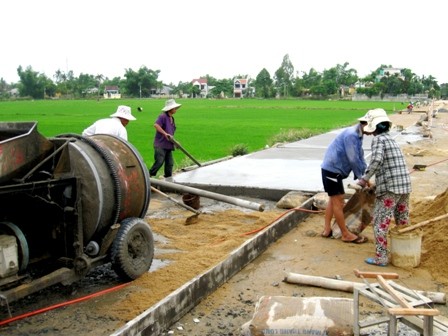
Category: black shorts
[332,183]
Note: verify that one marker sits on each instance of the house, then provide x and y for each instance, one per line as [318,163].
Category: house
[202,84]
[389,72]
[111,92]
[240,87]
[164,91]
[347,90]
[92,90]
[14,92]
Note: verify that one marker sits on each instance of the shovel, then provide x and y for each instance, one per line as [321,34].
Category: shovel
[190,220]
[357,211]
[185,151]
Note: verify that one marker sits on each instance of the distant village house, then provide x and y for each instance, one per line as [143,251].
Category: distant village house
[111,92]
[240,87]
[202,84]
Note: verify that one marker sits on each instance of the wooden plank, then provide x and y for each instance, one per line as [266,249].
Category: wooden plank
[425,296]
[420,319]
[413,311]
[393,293]
[416,295]
[428,326]
[385,275]
[375,293]
[376,298]
[412,297]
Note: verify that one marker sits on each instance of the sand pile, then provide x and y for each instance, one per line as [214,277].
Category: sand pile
[434,243]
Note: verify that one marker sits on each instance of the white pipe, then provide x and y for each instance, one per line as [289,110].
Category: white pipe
[208,194]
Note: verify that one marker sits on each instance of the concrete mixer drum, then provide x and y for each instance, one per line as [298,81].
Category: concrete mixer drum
[69,203]
[115,188]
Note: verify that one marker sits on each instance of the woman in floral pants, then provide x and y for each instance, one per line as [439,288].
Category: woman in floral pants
[393,183]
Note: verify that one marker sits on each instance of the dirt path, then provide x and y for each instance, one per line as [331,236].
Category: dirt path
[304,251]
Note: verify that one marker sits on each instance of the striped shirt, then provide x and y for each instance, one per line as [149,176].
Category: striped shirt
[389,166]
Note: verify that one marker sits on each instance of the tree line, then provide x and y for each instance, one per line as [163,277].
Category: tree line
[284,83]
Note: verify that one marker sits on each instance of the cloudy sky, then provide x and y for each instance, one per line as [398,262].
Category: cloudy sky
[187,39]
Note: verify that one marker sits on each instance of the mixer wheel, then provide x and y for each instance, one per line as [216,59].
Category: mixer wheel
[24,253]
[132,249]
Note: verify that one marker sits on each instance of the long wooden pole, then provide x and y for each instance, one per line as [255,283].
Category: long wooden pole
[178,145]
[415,226]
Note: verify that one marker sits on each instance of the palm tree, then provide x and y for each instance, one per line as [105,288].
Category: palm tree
[99,78]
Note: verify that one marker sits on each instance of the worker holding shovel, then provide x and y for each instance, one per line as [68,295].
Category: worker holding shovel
[393,183]
[163,145]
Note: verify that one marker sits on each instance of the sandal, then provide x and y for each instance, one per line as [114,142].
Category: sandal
[374,261]
[357,240]
[329,235]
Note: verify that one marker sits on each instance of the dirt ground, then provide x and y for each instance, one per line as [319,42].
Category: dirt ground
[184,251]
[303,251]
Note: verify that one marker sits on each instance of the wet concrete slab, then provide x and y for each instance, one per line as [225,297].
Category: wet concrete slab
[273,172]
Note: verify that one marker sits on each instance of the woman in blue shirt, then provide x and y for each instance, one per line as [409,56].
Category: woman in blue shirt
[344,155]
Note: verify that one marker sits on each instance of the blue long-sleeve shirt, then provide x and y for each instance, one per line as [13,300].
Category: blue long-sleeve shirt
[345,154]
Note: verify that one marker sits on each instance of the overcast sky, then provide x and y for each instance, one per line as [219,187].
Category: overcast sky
[187,39]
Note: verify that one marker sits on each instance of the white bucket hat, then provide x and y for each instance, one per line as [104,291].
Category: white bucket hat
[123,112]
[366,118]
[374,117]
[170,104]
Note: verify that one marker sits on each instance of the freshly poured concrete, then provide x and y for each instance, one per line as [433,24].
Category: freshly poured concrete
[273,172]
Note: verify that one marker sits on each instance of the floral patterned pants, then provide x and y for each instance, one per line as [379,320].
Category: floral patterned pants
[388,206]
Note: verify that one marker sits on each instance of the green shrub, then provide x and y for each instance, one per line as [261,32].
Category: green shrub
[239,149]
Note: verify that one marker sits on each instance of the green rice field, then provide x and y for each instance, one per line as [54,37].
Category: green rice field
[207,129]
